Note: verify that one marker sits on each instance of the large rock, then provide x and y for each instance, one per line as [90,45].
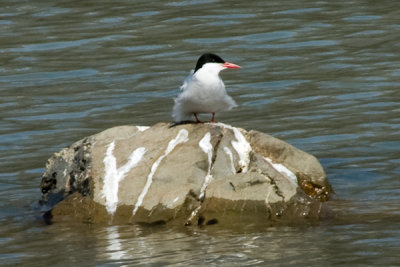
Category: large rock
[189,174]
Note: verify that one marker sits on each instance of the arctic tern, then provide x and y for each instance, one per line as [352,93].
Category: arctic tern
[203,91]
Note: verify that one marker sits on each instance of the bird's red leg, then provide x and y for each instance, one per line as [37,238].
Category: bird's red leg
[197,119]
[212,119]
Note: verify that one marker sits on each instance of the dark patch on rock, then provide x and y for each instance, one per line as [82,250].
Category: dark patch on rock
[212,221]
[67,172]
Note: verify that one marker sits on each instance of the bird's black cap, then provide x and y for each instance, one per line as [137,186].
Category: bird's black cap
[208,58]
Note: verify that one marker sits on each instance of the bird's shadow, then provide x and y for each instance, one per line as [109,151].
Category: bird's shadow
[173,124]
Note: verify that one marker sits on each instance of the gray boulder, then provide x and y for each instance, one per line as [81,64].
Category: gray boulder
[188,174]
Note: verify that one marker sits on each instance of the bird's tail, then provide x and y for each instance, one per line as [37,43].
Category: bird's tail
[178,113]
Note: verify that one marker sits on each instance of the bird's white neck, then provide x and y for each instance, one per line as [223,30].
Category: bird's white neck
[209,72]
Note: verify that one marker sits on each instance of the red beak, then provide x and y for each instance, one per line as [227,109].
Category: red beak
[230,65]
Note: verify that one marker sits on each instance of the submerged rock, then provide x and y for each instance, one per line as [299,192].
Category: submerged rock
[189,174]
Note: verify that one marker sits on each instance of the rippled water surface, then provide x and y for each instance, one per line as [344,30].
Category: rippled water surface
[321,75]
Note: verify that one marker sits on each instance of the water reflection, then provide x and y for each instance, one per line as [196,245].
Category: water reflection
[114,249]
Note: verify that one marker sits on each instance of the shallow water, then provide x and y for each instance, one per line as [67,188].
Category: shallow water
[321,75]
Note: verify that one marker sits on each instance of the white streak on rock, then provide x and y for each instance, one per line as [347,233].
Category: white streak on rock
[243,149]
[110,187]
[241,146]
[284,171]
[113,175]
[205,145]
[193,214]
[180,138]
[230,155]
[142,128]
[171,204]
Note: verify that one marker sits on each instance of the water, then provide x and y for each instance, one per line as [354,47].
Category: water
[322,75]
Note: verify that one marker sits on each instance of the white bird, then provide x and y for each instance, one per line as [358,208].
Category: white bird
[203,91]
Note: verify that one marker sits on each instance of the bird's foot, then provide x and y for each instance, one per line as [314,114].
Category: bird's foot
[197,119]
[212,119]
